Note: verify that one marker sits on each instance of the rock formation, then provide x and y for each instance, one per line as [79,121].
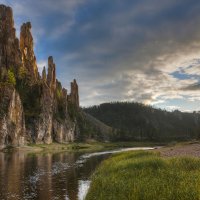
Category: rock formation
[26,47]
[51,77]
[33,108]
[10,55]
[74,95]
[44,75]
[12,122]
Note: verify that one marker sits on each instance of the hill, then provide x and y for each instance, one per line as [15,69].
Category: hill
[136,121]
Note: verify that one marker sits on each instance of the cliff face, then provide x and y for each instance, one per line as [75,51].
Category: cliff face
[74,96]
[43,131]
[51,76]
[12,123]
[10,55]
[53,122]
[33,108]
[28,56]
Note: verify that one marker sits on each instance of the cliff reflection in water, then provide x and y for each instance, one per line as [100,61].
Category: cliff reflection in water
[45,176]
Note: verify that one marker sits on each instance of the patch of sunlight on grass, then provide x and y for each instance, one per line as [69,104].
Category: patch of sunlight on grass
[146,176]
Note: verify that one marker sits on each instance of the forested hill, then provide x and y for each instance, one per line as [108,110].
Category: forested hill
[135,121]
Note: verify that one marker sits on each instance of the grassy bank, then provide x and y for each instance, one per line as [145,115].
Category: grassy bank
[146,176]
[87,146]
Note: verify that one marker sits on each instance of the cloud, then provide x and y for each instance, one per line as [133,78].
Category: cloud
[41,64]
[146,51]
[172,108]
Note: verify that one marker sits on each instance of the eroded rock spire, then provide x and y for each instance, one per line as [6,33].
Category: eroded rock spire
[10,56]
[44,75]
[51,76]
[32,108]
[26,47]
[74,96]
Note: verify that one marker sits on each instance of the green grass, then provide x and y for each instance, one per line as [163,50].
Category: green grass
[56,147]
[90,146]
[146,176]
[84,147]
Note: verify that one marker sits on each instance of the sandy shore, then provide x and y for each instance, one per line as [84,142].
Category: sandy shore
[184,149]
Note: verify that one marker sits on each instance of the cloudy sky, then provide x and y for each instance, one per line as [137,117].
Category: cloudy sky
[134,50]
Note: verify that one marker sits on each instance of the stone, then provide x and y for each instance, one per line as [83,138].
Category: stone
[27,51]
[10,55]
[44,75]
[51,76]
[12,121]
[19,122]
[43,125]
[64,132]
[73,98]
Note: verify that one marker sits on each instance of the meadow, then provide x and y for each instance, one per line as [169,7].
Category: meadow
[146,176]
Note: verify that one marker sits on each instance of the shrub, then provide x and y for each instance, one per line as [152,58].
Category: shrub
[11,78]
[22,72]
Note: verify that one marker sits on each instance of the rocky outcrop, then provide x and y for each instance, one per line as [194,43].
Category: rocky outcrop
[33,109]
[74,95]
[27,51]
[51,77]
[44,75]
[64,132]
[10,55]
[45,121]
[12,122]
[64,127]
[53,122]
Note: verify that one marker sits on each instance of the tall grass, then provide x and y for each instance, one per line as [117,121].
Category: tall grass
[146,176]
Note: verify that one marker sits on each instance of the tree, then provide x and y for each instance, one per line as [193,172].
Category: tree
[3,75]
[11,78]
[22,72]
[137,121]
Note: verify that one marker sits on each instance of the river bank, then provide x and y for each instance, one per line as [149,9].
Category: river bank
[181,149]
[53,174]
[83,147]
[172,172]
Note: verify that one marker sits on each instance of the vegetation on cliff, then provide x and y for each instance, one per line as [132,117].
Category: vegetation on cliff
[43,101]
[49,112]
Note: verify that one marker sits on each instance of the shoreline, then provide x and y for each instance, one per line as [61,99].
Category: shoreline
[149,174]
[191,148]
[76,147]
[184,149]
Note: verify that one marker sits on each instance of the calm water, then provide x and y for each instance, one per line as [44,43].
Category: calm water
[62,176]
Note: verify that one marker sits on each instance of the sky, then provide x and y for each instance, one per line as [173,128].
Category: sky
[121,50]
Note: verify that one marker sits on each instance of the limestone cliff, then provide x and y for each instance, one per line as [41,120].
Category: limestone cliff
[74,95]
[43,132]
[28,56]
[44,75]
[53,123]
[12,123]
[10,55]
[64,127]
[33,108]
[51,76]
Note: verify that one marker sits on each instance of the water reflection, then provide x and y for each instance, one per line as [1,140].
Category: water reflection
[83,188]
[48,176]
[45,176]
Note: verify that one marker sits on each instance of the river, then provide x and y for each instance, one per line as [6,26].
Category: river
[49,176]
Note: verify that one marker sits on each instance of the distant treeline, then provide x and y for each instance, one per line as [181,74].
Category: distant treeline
[136,121]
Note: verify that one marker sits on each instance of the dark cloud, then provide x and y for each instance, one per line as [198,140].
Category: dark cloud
[192,87]
[140,50]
